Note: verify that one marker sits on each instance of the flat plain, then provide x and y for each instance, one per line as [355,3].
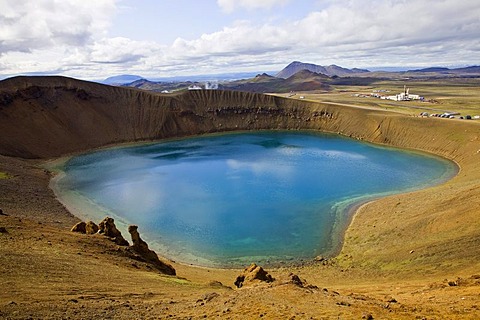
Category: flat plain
[441,95]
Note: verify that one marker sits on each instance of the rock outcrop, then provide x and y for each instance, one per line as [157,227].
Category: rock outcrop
[297,281]
[138,250]
[91,227]
[79,227]
[253,274]
[141,248]
[107,227]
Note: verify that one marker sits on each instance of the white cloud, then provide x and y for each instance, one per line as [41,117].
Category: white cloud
[121,50]
[231,5]
[70,37]
[365,32]
[242,38]
[41,24]
[260,167]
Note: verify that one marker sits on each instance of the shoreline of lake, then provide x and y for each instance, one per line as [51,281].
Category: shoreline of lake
[86,209]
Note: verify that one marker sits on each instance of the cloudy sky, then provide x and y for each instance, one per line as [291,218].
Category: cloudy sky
[94,39]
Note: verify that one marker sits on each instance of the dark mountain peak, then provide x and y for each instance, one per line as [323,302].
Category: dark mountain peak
[431,69]
[358,70]
[447,71]
[264,75]
[293,63]
[331,70]
[467,70]
[307,74]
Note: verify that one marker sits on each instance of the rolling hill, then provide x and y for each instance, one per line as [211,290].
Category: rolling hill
[121,79]
[303,80]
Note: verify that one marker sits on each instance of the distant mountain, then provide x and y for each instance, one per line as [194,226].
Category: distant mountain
[263,77]
[303,80]
[305,74]
[160,86]
[332,70]
[139,83]
[233,76]
[135,82]
[306,80]
[121,79]
[471,69]
[432,69]
[260,83]
[442,70]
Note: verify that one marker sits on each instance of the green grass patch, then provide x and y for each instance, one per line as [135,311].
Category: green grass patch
[4,175]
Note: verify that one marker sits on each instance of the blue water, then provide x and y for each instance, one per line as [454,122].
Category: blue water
[232,199]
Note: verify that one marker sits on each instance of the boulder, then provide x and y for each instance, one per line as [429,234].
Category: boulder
[79,227]
[297,281]
[141,248]
[253,274]
[91,227]
[107,227]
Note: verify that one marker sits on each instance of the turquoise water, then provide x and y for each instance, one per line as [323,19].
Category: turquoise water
[232,199]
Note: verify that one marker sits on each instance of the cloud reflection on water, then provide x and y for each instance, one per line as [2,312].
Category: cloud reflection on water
[253,194]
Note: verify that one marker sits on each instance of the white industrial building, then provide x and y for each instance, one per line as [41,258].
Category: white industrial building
[404,96]
[194,87]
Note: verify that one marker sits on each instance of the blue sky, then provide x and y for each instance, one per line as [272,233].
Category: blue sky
[94,39]
[161,20]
